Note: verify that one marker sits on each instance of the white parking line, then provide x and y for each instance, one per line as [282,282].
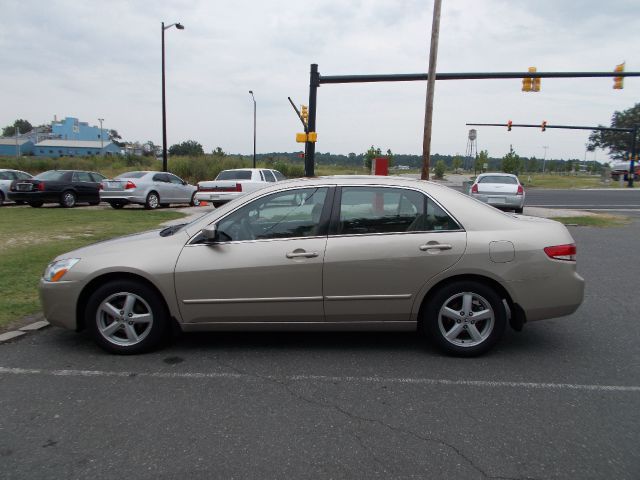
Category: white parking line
[323,378]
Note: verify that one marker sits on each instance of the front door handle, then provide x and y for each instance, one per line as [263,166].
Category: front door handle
[302,254]
[435,246]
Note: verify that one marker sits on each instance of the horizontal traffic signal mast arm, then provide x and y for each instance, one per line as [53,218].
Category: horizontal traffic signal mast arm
[569,127]
[413,77]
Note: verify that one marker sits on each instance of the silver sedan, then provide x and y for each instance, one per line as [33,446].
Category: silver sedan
[148,188]
[334,253]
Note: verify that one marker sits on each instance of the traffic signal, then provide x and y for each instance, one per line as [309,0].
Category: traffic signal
[544,126]
[509,125]
[618,81]
[527,84]
[304,113]
[531,84]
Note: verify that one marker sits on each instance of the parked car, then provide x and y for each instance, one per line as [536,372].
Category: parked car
[6,177]
[148,188]
[333,253]
[230,184]
[66,187]
[621,169]
[501,190]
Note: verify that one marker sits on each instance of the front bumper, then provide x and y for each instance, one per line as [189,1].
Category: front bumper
[59,300]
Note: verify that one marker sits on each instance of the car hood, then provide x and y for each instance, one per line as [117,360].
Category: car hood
[125,244]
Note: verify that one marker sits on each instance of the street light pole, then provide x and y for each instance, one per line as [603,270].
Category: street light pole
[164,104]
[544,160]
[254,128]
[101,136]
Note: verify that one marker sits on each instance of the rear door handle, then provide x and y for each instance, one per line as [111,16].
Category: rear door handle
[435,246]
[301,254]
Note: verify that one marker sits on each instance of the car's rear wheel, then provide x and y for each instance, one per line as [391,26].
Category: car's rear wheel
[1,198]
[36,204]
[126,317]
[68,199]
[194,201]
[465,318]
[152,202]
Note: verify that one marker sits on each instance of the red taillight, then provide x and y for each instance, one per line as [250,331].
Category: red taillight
[100,186]
[474,188]
[41,187]
[562,252]
[129,185]
[520,190]
[238,187]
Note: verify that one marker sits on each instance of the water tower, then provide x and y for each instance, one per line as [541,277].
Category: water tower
[472,149]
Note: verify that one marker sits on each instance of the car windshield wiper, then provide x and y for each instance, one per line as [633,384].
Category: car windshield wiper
[167,232]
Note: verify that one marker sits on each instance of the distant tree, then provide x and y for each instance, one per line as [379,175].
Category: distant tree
[23,126]
[618,143]
[481,159]
[439,169]
[218,152]
[457,163]
[511,162]
[375,152]
[149,149]
[532,165]
[187,148]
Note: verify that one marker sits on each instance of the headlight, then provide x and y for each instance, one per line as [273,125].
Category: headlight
[56,270]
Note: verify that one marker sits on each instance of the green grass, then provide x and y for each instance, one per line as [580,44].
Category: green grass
[30,238]
[564,181]
[601,221]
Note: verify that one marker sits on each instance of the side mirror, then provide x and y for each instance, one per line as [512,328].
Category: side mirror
[210,233]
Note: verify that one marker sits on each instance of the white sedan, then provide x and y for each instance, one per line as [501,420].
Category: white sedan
[230,184]
[500,190]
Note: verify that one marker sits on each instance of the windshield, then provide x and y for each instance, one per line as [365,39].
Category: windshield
[51,175]
[131,175]
[234,175]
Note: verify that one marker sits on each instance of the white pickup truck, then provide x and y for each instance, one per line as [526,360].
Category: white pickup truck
[230,184]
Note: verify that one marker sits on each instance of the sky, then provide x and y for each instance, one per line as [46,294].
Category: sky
[97,59]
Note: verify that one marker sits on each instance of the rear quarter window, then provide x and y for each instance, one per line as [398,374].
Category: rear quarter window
[234,175]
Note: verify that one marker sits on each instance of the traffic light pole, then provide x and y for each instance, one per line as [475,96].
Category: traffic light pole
[310,147]
[633,131]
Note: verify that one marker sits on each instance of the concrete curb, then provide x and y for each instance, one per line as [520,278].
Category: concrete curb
[32,327]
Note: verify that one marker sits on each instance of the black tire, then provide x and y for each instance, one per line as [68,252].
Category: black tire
[118,334]
[463,341]
[36,204]
[152,202]
[116,205]
[194,201]
[68,199]
[519,210]
[1,198]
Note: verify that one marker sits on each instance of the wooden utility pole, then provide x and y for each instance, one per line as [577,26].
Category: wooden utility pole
[431,83]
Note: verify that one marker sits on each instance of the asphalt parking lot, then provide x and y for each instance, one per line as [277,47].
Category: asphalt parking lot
[558,400]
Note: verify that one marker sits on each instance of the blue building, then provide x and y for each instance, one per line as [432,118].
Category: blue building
[74,148]
[72,129]
[10,147]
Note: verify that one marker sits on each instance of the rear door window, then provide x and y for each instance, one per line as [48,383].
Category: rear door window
[82,177]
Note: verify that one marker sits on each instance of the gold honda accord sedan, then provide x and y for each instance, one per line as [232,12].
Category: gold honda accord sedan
[332,253]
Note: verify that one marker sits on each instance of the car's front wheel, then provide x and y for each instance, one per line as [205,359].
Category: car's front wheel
[126,317]
[465,318]
[152,202]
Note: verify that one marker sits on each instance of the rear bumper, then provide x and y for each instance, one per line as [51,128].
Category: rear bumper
[121,197]
[218,196]
[549,297]
[500,201]
[45,197]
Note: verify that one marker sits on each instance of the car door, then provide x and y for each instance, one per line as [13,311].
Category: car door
[162,185]
[180,192]
[384,244]
[266,266]
[85,187]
